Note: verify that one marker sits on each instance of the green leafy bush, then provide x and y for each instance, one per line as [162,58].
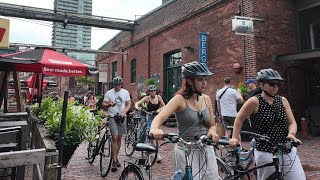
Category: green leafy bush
[244,90]
[81,124]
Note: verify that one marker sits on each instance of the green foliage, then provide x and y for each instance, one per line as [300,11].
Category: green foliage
[98,97]
[150,81]
[84,80]
[244,90]
[81,124]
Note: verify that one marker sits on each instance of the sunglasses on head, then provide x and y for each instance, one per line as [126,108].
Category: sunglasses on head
[273,84]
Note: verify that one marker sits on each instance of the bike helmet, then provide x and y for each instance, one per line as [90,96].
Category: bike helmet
[195,69]
[117,80]
[268,75]
[152,87]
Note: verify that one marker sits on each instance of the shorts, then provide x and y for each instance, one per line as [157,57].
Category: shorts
[117,129]
[228,121]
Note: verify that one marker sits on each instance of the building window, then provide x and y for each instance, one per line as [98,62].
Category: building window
[114,69]
[133,71]
[175,59]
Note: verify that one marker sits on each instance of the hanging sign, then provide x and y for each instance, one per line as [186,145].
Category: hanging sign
[203,48]
[103,72]
[242,25]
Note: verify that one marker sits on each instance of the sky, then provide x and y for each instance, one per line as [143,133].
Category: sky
[29,31]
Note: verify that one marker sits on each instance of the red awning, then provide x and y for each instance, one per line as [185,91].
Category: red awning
[46,61]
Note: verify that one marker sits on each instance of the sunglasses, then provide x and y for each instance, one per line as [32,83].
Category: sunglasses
[273,84]
[201,118]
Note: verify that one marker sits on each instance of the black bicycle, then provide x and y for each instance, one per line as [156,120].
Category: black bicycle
[278,149]
[102,147]
[231,155]
[134,168]
[138,134]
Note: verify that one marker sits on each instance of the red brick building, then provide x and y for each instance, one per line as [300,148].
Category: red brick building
[168,36]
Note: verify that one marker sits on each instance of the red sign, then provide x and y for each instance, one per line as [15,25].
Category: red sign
[2,32]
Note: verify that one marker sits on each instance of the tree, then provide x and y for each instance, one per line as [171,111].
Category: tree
[84,81]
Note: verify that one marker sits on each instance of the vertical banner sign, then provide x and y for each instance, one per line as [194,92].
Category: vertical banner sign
[203,48]
[103,72]
[4,33]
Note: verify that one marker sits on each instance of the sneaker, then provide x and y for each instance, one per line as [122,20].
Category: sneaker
[159,158]
[118,164]
[114,167]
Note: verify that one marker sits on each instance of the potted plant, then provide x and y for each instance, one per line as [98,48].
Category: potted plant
[80,124]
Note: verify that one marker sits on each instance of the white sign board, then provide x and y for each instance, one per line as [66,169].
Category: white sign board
[242,25]
[103,72]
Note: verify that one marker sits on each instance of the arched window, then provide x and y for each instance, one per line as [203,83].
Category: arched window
[133,71]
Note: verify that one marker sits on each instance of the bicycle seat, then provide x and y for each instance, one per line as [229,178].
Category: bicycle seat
[146,147]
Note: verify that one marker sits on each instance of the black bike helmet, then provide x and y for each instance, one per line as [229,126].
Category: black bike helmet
[117,80]
[152,87]
[268,75]
[195,69]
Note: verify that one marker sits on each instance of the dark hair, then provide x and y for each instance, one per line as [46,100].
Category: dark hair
[227,80]
[258,90]
[185,91]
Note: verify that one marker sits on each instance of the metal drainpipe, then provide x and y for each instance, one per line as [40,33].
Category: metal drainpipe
[148,55]
[122,61]
[312,37]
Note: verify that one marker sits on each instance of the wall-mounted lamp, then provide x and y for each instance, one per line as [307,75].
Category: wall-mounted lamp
[237,68]
[188,49]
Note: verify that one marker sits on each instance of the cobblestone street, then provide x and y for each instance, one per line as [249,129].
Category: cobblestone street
[80,169]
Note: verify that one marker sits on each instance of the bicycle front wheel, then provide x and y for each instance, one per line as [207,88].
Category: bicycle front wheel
[91,152]
[106,156]
[129,140]
[223,171]
[131,172]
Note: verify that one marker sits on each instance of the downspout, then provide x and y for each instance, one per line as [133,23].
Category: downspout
[148,55]
[122,61]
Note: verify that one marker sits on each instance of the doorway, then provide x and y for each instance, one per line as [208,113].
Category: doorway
[172,74]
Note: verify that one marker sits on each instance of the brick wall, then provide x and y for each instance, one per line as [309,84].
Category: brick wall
[277,34]
[274,36]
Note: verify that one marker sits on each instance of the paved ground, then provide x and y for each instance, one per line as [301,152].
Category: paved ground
[80,169]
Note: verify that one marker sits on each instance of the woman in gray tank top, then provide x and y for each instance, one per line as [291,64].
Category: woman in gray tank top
[194,115]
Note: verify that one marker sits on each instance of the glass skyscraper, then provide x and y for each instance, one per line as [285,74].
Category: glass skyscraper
[73,36]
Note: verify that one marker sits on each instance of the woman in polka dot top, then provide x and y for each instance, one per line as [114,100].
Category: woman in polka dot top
[271,115]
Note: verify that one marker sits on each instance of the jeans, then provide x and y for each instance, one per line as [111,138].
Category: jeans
[149,121]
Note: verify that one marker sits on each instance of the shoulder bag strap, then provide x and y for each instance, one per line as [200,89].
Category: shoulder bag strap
[219,100]
[223,93]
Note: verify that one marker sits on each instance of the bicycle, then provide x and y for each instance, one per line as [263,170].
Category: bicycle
[137,134]
[277,149]
[133,169]
[245,159]
[102,147]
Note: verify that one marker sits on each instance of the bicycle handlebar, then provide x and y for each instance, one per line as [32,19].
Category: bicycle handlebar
[204,139]
[152,113]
